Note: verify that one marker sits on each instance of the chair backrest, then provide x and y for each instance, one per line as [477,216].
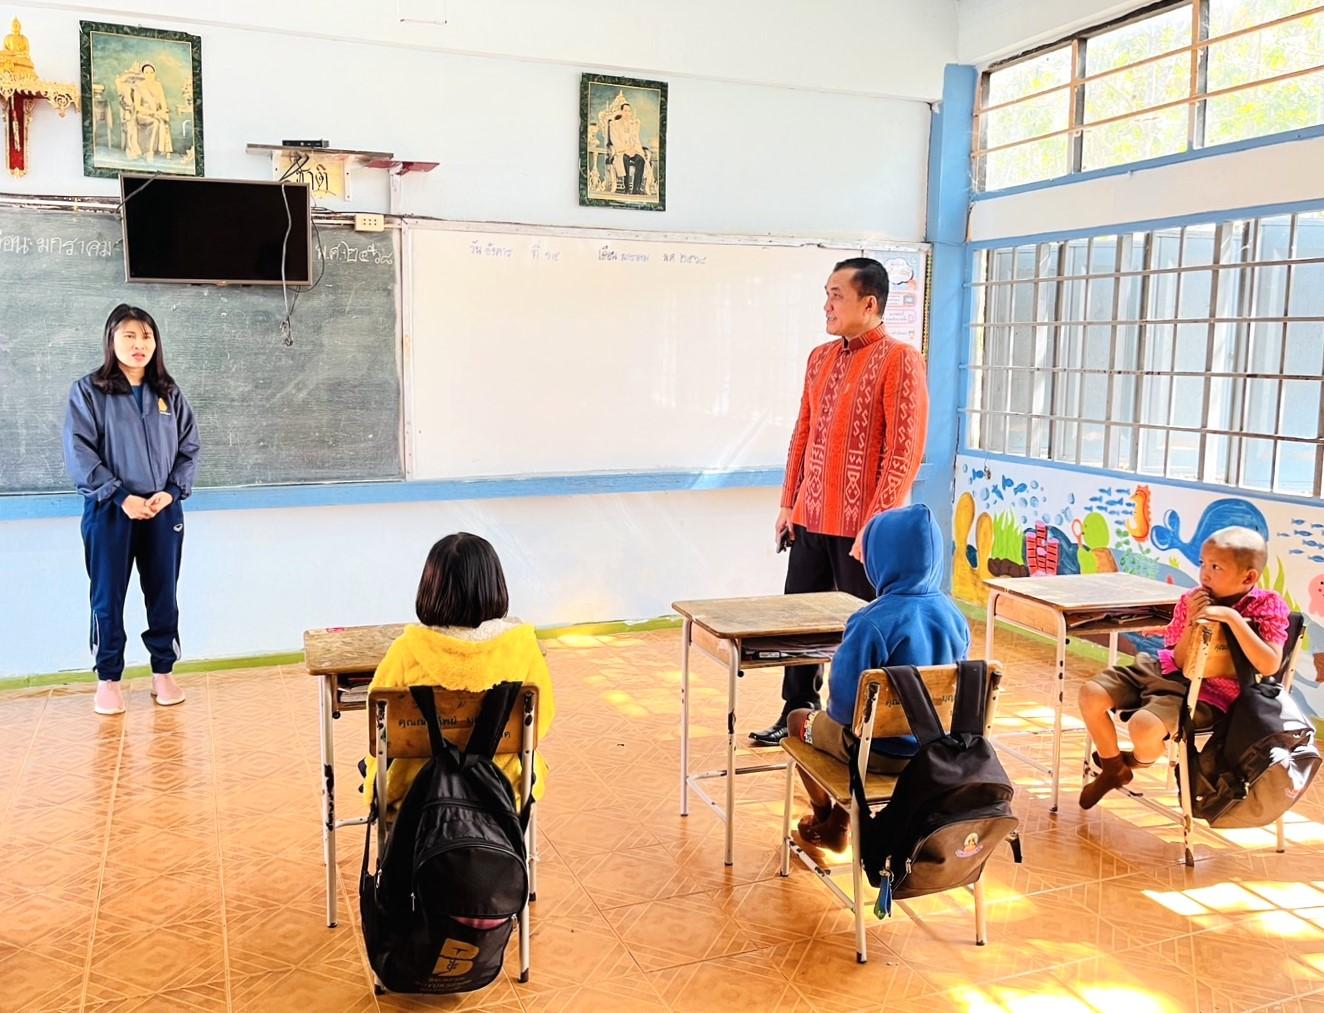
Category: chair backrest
[940,680]
[1296,625]
[407,731]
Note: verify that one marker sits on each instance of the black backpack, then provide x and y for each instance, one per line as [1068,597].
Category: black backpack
[456,850]
[1262,755]
[950,806]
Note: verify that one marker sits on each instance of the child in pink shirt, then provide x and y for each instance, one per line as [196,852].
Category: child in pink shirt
[1150,692]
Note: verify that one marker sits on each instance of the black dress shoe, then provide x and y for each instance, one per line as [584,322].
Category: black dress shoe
[770,736]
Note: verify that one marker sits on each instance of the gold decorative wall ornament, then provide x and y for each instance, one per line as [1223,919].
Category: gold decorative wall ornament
[20,91]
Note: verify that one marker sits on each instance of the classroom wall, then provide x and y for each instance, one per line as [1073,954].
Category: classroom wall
[766,135]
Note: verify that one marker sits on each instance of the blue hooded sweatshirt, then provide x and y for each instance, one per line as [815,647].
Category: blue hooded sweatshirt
[911,622]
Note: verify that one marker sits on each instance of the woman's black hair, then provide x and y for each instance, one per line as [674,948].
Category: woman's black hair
[462,583]
[110,378]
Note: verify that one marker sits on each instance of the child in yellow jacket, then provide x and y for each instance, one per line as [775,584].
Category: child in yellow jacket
[465,642]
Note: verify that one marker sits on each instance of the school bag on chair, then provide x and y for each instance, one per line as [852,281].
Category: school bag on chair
[452,877]
[951,804]
[1262,755]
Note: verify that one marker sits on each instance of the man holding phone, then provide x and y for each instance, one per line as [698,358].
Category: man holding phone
[855,451]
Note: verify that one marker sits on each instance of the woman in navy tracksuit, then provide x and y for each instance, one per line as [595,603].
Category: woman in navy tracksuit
[131,447]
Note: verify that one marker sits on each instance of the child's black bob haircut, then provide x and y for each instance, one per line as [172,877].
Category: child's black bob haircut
[462,583]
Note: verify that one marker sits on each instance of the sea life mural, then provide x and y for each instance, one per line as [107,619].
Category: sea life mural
[1014,519]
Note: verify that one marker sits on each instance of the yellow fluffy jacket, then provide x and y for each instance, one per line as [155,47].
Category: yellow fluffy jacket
[497,651]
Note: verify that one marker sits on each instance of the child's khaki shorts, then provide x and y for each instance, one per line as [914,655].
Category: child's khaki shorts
[1144,687]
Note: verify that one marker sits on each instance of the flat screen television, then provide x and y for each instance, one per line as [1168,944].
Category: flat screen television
[215,231]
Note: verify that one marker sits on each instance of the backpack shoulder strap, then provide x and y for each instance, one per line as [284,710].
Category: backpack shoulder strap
[971,695]
[491,721]
[427,706]
[916,702]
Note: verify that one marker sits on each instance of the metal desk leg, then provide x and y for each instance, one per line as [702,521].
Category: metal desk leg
[1057,707]
[327,707]
[990,623]
[734,675]
[685,717]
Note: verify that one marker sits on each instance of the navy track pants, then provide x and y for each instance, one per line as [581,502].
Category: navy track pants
[112,544]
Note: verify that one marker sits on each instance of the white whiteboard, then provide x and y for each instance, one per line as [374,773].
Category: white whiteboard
[553,353]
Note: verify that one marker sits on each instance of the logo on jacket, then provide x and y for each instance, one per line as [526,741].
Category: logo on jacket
[161,407]
[971,847]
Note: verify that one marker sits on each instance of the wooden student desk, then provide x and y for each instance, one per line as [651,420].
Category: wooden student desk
[747,633]
[1073,605]
[344,658]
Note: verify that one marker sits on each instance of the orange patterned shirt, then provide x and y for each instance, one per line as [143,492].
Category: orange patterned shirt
[859,439]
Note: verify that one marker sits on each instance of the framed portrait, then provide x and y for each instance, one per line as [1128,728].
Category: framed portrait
[142,106]
[622,143]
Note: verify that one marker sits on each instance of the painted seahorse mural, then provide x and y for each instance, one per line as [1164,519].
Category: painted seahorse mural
[1221,513]
[1139,525]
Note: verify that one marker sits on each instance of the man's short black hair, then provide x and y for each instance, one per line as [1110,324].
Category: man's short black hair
[462,583]
[870,278]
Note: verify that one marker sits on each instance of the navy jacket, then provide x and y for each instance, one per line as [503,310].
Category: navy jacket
[112,449]
[911,622]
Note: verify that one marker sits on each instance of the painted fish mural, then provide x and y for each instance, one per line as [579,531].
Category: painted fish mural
[1222,513]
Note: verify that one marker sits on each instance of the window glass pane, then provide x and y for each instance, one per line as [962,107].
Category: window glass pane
[1183,455]
[1257,463]
[1269,52]
[1025,261]
[1261,406]
[1266,348]
[1307,298]
[1274,238]
[1296,469]
[1300,408]
[1188,401]
[1305,350]
[1310,235]
[1198,245]
[1091,445]
[1231,15]
[1148,135]
[1217,453]
[1192,348]
[1121,456]
[1044,71]
[1196,290]
[1265,109]
[1153,450]
[1034,117]
[1270,291]
[1158,347]
[1027,163]
[1140,39]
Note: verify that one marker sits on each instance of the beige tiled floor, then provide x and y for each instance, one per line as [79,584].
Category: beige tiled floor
[171,859]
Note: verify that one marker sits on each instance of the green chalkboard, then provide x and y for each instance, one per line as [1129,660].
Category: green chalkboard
[324,407]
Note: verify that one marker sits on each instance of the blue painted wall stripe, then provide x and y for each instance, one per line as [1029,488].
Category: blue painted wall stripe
[1250,143]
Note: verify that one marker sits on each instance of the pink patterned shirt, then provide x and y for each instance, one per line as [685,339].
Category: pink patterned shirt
[1267,613]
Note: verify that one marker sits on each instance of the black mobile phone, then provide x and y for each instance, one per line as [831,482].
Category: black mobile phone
[784,540]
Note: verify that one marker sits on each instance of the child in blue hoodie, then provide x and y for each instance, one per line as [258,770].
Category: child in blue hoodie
[911,622]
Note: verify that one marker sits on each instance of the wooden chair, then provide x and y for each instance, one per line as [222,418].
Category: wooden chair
[1177,744]
[398,731]
[878,714]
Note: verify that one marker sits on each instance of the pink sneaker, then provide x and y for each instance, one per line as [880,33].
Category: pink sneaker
[166,690]
[108,700]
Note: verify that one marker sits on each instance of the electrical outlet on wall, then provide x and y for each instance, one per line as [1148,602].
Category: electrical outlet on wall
[369,223]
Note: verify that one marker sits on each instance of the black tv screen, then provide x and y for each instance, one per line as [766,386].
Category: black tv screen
[215,231]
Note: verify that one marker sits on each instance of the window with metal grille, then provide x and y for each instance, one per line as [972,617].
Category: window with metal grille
[1191,352]
[1172,78]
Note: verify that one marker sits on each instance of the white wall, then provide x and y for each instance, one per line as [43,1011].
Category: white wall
[1274,174]
[991,30]
[794,157]
[784,117]
[254,580]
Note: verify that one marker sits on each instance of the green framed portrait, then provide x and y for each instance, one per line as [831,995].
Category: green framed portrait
[142,100]
[622,143]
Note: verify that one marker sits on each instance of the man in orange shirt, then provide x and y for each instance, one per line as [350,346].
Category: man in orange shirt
[857,446]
